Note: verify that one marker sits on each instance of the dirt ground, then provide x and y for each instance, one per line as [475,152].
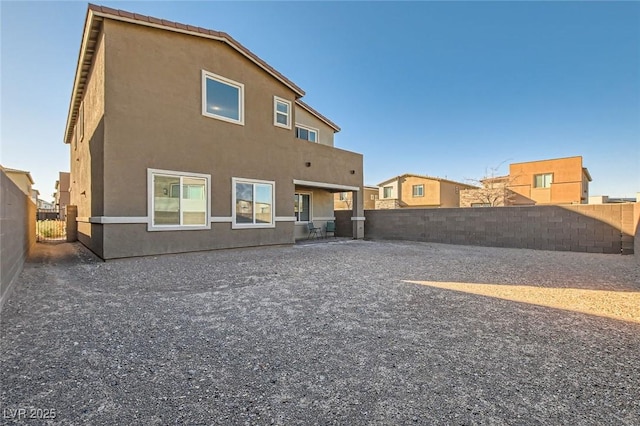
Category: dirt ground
[339,332]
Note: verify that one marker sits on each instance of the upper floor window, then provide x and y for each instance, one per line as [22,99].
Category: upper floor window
[343,196]
[307,133]
[281,112]
[253,203]
[543,180]
[418,190]
[386,191]
[178,200]
[222,98]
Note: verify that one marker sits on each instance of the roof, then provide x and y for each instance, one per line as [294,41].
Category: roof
[425,177]
[96,14]
[16,171]
[586,173]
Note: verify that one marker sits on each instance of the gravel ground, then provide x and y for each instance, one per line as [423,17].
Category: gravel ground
[326,333]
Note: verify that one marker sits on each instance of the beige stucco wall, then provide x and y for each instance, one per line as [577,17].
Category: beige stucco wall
[569,182]
[17,233]
[152,119]
[87,156]
[370,195]
[325,133]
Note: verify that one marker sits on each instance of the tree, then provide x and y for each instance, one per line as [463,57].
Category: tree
[493,189]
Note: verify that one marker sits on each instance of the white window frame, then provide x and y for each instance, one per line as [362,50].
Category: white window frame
[414,193]
[277,100]
[235,225]
[151,204]
[209,75]
[310,194]
[309,129]
[543,186]
[384,195]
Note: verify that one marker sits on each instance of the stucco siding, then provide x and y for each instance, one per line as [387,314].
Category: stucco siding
[325,136]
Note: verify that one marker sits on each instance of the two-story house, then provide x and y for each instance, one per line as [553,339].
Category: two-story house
[181,139]
[553,181]
[62,196]
[344,200]
[418,191]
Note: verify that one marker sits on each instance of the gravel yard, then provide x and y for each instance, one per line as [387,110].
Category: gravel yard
[346,332]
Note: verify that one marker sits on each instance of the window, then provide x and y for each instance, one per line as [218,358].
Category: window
[253,203]
[306,133]
[302,207]
[543,181]
[386,191]
[418,190]
[343,196]
[281,112]
[178,200]
[222,98]
[374,197]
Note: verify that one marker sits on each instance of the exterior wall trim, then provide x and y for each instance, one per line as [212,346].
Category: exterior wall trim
[220,219]
[325,185]
[358,218]
[285,218]
[324,218]
[113,219]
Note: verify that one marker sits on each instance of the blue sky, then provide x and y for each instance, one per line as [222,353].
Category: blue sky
[447,89]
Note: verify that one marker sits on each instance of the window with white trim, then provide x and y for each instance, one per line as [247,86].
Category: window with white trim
[178,200]
[307,133]
[302,206]
[387,191]
[281,112]
[222,98]
[543,180]
[253,203]
[418,190]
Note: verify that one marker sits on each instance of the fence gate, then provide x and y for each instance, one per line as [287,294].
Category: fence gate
[51,225]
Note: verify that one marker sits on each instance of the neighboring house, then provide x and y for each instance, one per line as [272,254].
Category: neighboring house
[62,196]
[181,139]
[44,205]
[344,200]
[22,179]
[417,191]
[554,181]
[34,196]
[605,199]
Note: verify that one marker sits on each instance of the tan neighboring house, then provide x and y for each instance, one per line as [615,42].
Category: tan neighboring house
[418,191]
[62,196]
[553,181]
[23,180]
[344,200]
[181,139]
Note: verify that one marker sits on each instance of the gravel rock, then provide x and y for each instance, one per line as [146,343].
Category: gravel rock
[323,333]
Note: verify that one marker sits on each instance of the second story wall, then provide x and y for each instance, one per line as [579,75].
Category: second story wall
[305,119]
[86,185]
[555,181]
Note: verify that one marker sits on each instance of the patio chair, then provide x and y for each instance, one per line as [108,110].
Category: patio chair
[330,228]
[313,231]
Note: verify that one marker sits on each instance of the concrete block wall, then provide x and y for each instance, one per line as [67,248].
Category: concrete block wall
[17,233]
[344,225]
[580,228]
